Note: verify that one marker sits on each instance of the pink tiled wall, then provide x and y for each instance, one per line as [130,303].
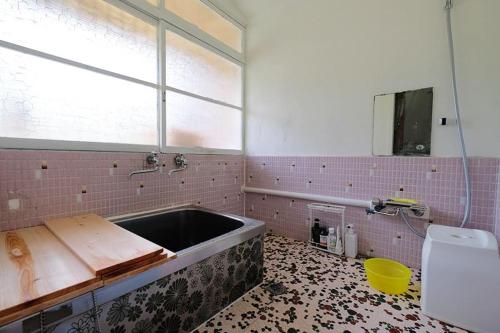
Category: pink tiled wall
[437,182]
[497,222]
[211,181]
[214,181]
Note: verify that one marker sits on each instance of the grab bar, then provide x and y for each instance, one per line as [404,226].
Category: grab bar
[309,196]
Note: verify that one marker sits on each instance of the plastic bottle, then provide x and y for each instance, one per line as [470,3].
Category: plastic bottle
[351,242]
[338,244]
[315,231]
[332,239]
[323,238]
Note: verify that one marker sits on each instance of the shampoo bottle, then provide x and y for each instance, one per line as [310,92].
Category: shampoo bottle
[332,239]
[323,238]
[338,245]
[351,242]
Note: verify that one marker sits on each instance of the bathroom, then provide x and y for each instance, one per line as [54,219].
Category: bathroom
[237,165]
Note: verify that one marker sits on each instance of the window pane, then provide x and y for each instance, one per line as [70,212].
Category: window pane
[193,68]
[208,20]
[41,99]
[88,31]
[195,123]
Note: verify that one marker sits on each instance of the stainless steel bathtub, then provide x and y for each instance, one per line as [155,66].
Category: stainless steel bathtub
[180,229]
[194,233]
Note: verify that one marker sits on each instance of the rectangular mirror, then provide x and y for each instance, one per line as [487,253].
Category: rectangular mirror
[402,123]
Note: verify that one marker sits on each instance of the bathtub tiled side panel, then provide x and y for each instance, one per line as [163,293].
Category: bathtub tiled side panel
[438,182]
[60,183]
[183,300]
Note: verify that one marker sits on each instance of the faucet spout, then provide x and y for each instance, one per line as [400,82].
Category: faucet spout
[138,172]
[152,158]
[177,170]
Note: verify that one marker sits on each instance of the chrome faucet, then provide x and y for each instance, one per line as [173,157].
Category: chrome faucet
[181,163]
[151,159]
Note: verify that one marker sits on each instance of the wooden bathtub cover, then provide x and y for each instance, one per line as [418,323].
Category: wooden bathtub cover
[34,265]
[102,245]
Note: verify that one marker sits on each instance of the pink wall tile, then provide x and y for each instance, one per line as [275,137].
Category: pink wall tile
[438,182]
[211,181]
[497,216]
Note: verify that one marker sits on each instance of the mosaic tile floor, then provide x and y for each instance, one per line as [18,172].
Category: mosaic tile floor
[324,294]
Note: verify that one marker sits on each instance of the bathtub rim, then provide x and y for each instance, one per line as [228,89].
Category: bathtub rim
[248,225]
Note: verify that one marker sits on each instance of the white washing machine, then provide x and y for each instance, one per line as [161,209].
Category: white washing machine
[461,278]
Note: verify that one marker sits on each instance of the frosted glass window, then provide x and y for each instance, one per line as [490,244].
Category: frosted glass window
[88,31]
[195,69]
[208,20]
[41,99]
[195,123]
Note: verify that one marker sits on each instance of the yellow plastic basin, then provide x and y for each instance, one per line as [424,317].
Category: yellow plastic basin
[388,276]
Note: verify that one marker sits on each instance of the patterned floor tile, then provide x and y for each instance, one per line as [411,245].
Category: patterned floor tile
[324,293]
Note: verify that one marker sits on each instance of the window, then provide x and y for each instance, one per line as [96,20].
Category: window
[43,99]
[85,73]
[215,126]
[195,69]
[91,32]
[205,18]
[215,83]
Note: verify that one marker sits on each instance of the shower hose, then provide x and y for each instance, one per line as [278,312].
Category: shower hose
[465,163]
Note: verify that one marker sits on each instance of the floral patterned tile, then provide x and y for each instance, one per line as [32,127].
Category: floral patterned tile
[179,302]
[324,293]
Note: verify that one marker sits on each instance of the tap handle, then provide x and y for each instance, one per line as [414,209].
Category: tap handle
[152,158]
[180,160]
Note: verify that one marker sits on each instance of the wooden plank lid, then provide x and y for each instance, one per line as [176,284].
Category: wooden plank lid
[102,245]
[36,268]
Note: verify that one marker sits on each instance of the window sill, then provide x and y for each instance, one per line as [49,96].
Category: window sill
[41,144]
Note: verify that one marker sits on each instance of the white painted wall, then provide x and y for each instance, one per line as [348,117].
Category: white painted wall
[383,124]
[315,65]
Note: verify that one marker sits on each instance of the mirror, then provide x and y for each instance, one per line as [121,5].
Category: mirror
[402,123]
